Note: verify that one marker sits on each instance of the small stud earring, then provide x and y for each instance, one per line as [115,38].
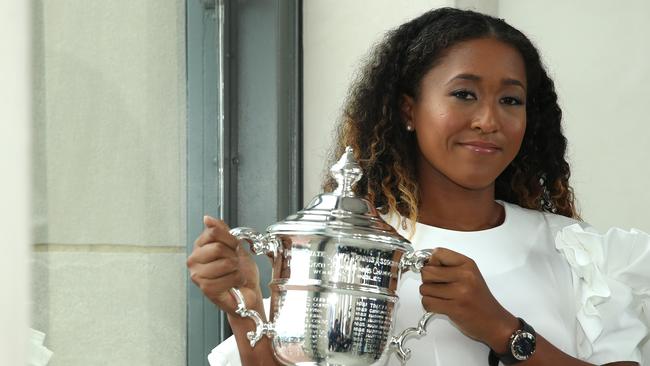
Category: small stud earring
[409,127]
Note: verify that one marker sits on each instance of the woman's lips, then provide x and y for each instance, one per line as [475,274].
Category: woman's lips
[481,147]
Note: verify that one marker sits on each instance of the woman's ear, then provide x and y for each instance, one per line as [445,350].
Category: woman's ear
[407,106]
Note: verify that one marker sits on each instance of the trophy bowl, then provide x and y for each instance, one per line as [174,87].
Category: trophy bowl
[336,265]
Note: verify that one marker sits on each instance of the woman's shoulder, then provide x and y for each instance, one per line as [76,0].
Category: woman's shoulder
[517,220]
[526,217]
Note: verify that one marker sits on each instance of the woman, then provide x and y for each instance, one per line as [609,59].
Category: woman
[456,125]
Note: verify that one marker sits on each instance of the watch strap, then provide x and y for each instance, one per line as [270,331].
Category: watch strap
[508,358]
[493,359]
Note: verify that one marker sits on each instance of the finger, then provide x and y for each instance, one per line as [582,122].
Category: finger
[211,252]
[440,274]
[446,257]
[216,234]
[210,221]
[443,291]
[436,305]
[215,269]
[225,283]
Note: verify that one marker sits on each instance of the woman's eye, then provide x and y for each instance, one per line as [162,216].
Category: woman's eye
[511,101]
[464,94]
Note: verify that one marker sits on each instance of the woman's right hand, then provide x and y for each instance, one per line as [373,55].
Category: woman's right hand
[219,263]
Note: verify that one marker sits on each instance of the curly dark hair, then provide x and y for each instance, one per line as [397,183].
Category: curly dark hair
[372,122]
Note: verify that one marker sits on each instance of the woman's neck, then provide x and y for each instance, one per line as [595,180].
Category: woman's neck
[447,205]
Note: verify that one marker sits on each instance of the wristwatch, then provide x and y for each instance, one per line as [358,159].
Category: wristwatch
[521,346]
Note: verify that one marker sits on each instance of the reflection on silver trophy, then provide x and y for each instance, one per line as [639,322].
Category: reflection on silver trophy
[336,265]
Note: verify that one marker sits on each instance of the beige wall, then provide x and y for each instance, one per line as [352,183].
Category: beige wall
[113,79]
[596,51]
[15,98]
[109,168]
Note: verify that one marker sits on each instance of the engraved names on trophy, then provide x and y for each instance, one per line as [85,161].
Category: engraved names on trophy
[371,325]
[316,308]
[355,265]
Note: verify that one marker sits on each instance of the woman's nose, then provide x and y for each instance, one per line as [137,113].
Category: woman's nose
[486,119]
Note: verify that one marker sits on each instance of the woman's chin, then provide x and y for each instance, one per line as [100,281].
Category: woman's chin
[473,184]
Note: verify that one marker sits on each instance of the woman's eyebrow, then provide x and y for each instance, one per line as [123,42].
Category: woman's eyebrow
[508,81]
[473,77]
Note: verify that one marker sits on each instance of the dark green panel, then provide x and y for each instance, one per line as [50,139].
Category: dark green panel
[204,320]
[244,72]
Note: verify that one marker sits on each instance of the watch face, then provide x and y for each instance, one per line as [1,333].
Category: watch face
[523,346]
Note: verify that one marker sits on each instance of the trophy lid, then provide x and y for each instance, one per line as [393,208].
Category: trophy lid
[342,212]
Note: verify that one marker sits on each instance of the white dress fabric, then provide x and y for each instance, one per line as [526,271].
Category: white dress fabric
[586,293]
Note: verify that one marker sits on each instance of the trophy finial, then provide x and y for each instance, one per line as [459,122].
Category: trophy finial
[347,172]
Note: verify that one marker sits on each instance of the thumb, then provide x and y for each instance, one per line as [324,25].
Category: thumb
[210,221]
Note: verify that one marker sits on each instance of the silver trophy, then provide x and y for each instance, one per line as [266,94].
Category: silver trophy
[336,265]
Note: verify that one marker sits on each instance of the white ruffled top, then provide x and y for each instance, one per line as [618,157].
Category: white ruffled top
[585,292]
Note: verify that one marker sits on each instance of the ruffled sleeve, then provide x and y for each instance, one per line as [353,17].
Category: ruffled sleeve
[612,286]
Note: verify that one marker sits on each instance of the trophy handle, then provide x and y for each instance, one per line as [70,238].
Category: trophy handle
[260,244]
[413,261]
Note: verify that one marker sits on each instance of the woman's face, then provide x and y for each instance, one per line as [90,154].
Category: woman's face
[470,116]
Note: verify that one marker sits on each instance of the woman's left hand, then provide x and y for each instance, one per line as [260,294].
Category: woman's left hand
[453,286]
